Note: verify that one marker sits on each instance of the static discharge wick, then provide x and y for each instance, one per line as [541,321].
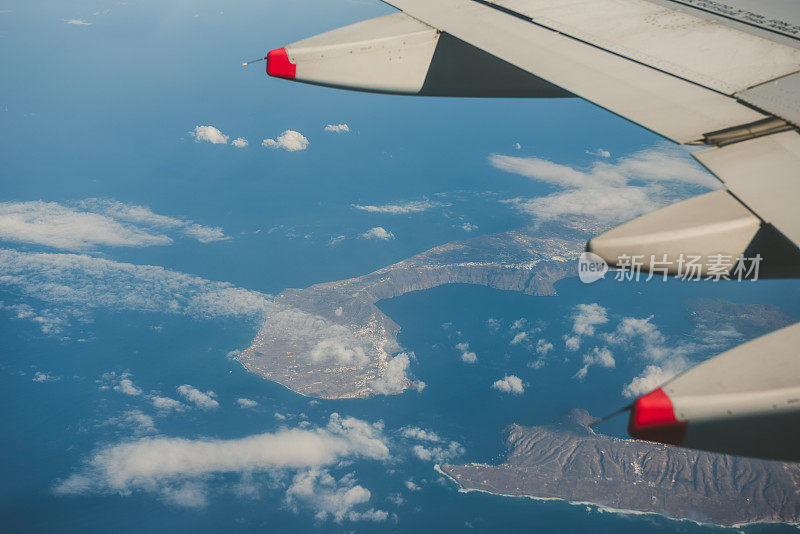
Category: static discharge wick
[246,63]
[609,416]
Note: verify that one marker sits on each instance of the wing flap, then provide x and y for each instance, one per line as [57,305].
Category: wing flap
[763,174]
[699,50]
[779,97]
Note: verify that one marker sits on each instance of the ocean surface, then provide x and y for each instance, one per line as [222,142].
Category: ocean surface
[52,427]
[102,109]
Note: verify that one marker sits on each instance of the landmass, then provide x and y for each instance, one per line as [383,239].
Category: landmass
[568,460]
[748,320]
[331,341]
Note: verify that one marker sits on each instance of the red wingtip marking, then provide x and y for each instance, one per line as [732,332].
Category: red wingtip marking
[278,64]
[653,419]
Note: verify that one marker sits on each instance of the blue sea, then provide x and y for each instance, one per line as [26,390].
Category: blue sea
[52,427]
[103,108]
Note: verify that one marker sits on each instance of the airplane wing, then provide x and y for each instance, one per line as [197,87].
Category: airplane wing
[722,74]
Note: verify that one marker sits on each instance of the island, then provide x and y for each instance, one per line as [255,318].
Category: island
[331,341]
[568,460]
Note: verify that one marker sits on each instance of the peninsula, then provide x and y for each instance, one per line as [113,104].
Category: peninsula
[331,341]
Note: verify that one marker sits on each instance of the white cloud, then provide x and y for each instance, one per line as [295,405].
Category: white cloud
[369,515]
[466,355]
[469,227]
[120,382]
[630,329]
[543,347]
[519,324]
[600,152]
[586,316]
[610,192]
[335,240]
[663,360]
[246,403]
[77,22]
[140,422]
[175,467]
[439,453]
[204,234]
[127,387]
[240,142]
[166,404]
[651,345]
[343,352]
[537,364]
[572,343]
[519,338]
[419,434]
[326,341]
[469,357]
[337,128]
[553,173]
[43,377]
[412,486]
[719,338]
[655,376]
[185,494]
[133,213]
[395,378]
[93,223]
[509,384]
[327,497]
[662,163]
[209,134]
[136,420]
[608,206]
[422,453]
[54,225]
[597,356]
[289,140]
[401,208]
[378,233]
[50,321]
[202,400]
[77,284]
